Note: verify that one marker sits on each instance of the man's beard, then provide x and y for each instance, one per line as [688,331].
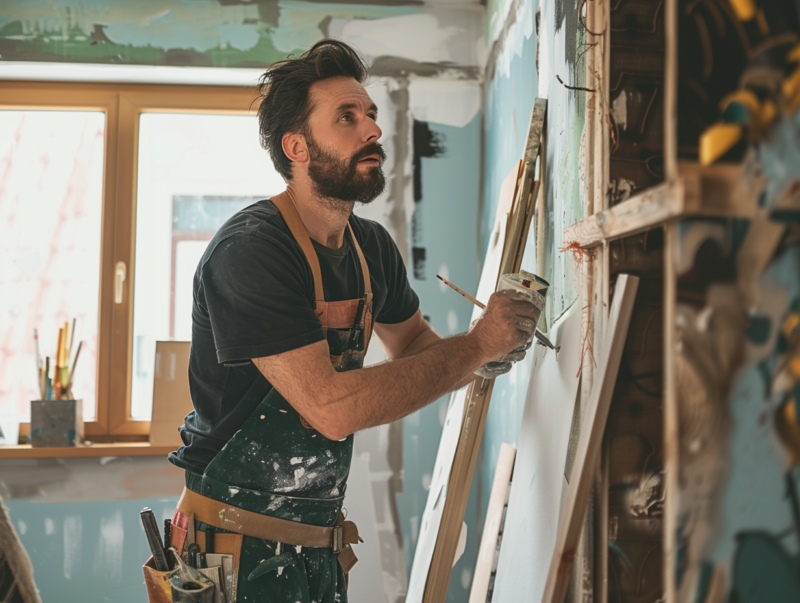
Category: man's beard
[339,179]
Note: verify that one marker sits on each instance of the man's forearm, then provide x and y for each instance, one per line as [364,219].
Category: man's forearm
[389,391]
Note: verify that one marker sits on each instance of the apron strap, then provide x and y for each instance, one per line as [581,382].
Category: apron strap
[293,220]
[363,261]
[289,212]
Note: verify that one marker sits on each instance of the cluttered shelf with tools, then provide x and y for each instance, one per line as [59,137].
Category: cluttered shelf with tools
[26,451]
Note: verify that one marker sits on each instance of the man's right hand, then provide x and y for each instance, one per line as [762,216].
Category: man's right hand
[340,403]
[507,323]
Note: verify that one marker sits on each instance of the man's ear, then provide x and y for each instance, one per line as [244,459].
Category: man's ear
[295,147]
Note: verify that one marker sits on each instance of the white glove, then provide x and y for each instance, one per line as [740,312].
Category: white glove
[490,370]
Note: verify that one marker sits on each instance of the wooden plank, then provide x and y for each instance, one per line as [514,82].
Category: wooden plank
[711,191]
[671,419]
[479,393]
[25,451]
[641,212]
[590,440]
[15,564]
[671,90]
[491,527]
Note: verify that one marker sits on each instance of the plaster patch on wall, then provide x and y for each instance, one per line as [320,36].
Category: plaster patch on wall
[447,102]
[304,23]
[520,27]
[440,35]
[497,12]
[390,36]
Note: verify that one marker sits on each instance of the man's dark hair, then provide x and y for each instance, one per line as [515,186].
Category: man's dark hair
[283,89]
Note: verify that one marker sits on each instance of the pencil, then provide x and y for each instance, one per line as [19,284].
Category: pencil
[72,370]
[48,385]
[57,372]
[36,345]
[539,335]
[72,336]
[63,359]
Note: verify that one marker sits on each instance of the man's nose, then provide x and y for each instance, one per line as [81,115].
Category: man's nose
[373,131]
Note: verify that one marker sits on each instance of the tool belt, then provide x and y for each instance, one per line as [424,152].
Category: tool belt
[338,537]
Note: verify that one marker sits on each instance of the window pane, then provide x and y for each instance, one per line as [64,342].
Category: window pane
[51,180]
[195,171]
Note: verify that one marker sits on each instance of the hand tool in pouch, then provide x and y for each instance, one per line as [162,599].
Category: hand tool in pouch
[190,548]
[190,586]
[154,539]
[167,533]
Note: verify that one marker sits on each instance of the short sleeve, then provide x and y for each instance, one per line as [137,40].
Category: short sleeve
[401,300]
[257,296]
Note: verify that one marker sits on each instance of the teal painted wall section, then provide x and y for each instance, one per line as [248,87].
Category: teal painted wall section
[446,223]
[87,551]
[510,96]
[509,102]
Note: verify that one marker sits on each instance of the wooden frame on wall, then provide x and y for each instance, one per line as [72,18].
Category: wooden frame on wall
[122,105]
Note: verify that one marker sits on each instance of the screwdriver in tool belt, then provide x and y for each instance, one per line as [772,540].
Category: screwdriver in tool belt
[154,539]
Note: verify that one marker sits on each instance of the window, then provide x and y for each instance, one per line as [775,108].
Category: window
[108,197]
[51,202]
[194,172]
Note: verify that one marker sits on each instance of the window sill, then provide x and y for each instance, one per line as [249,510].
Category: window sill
[26,451]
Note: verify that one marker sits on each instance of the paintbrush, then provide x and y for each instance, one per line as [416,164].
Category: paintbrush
[539,335]
[72,370]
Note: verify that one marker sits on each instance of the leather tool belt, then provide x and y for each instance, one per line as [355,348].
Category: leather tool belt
[338,537]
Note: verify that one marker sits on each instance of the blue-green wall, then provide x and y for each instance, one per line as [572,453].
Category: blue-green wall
[87,551]
[446,221]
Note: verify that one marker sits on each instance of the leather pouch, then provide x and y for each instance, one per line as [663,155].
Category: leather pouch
[157,582]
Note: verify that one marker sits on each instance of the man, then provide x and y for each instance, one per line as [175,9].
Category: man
[285,300]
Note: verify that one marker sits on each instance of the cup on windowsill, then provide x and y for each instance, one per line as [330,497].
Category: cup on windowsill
[56,423]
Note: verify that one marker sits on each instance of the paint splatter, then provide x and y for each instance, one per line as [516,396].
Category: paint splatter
[578,252]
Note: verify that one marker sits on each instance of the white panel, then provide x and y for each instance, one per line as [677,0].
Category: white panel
[534,503]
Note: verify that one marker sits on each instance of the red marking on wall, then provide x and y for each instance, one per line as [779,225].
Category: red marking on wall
[578,252]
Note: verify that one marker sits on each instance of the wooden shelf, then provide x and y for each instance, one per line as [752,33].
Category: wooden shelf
[26,451]
[710,191]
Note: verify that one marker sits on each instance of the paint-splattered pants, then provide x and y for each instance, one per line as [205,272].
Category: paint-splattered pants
[288,574]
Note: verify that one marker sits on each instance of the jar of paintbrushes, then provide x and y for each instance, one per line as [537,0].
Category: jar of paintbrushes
[57,418]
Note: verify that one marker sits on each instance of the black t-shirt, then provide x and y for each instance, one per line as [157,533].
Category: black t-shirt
[254,297]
